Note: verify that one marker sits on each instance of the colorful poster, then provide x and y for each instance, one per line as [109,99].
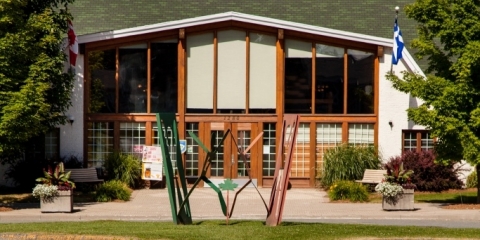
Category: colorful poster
[138,151]
[152,154]
[152,171]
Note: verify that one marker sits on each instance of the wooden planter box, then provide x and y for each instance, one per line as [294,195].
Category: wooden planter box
[62,203]
[404,202]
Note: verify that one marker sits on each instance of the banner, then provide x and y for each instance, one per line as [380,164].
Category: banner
[152,163]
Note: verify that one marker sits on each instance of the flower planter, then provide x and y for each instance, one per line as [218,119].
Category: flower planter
[61,203]
[402,202]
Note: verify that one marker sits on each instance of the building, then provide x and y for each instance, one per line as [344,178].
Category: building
[238,65]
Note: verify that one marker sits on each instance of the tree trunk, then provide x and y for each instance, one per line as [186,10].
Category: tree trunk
[478,182]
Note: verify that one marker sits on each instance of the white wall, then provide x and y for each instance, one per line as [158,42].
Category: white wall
[71,136]
[392,107]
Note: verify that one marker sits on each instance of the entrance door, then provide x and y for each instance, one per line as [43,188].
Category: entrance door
[228,163]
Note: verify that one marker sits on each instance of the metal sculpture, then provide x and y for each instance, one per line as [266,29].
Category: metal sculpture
[283,166]
[179,199]
[182,214]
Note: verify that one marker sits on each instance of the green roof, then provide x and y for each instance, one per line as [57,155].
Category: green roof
[371,17]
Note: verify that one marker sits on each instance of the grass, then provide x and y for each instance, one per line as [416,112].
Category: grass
[236,230]
[451,196]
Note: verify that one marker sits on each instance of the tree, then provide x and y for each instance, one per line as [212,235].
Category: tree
[449,38]
[34,88]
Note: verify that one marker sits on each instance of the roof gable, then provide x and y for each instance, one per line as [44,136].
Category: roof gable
[246,18]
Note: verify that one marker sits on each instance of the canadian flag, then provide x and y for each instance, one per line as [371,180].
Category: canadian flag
[72,44]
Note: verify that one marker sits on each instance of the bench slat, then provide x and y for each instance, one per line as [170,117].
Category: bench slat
[81,175]
[373,176]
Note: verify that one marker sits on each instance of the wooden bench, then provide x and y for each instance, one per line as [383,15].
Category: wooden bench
[84,175]
[373,176]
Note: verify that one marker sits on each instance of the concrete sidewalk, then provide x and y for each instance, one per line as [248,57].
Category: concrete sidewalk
[307,205]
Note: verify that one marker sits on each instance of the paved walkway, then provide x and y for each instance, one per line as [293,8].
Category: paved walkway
[310,205]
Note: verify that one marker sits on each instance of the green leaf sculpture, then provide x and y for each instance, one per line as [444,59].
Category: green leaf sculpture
[228,184]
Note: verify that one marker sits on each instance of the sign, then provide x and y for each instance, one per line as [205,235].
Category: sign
[152,163]
[183,145]
[152,154]
[152,171]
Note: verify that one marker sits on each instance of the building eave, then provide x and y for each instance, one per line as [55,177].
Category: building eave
[247,18]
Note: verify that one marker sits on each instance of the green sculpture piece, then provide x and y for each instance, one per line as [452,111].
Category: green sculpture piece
[182,214]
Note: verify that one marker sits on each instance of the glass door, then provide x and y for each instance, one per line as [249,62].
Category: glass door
[229,162]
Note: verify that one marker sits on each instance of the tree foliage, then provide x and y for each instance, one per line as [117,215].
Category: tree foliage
[34,88]
[449,38]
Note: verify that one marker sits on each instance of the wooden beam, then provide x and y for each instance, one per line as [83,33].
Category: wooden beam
[345,81]
[117,66]
[182,87]
[280,82]
[215,71]
[149,75]
[314,76]
[247,73]
[380,51]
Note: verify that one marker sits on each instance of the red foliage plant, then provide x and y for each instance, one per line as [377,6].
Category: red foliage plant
[427,175]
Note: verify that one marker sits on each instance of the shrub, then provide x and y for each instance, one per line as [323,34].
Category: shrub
[123,167]
[112,190]
[472,180]
[343,190]
[23,173]
[428,175]
[348,162]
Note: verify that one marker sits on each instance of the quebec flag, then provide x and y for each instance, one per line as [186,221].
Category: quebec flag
[397,43]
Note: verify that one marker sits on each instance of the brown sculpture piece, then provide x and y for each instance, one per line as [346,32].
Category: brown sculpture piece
[283,166]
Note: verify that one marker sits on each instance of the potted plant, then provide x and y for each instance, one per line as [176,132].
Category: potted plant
[397,190]
[55,190]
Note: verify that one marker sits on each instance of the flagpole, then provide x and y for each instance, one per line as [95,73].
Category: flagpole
[396,17]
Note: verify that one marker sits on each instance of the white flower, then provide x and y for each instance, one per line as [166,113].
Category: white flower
[44,191]
[389,190]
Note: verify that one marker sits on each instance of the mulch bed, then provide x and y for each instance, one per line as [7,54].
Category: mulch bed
[5,209]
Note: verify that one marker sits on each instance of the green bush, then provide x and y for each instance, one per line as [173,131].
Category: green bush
[348,190]
[112,190]
[123,167]
[348,162]
[472,181]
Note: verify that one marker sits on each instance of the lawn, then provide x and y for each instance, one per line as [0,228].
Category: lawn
[235,230]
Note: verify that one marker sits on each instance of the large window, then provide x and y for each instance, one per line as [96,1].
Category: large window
[102,81]
[191,157]
[269,150]
[329,135]
[301,153]
[125,89]
[360,82]
[338,72]
[298,76]
[170,142]
[262,70]
[329,79]
[417,140]
[164,77]
[361,134]
[131,134]
[100,142]
[132,78]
